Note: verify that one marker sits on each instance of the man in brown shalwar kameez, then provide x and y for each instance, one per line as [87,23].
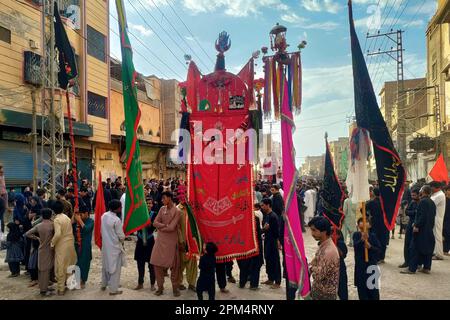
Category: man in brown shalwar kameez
[165,252]
[45,232]
[324,268]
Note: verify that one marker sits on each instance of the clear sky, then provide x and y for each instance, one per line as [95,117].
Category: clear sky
[163,31]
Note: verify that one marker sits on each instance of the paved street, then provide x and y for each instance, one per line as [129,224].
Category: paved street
[393,284]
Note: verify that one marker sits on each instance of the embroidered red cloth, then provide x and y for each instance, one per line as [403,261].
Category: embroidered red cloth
[220,189]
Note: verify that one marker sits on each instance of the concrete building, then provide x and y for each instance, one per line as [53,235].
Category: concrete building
[313,167]
[438,81]
[171,102]
[21,37]
[415,113]
[339,150]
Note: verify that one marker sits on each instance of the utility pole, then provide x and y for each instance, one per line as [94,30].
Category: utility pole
[396,53]
[52,145]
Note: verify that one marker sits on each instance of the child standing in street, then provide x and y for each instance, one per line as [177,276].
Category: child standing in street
[14,249]
[206,281]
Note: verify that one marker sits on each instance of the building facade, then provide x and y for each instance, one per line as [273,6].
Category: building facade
[415,112]
[438,77]
[96,98]
[313,167]
[22,37]
[339,150]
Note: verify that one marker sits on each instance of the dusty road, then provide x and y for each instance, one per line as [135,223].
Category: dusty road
[394,286]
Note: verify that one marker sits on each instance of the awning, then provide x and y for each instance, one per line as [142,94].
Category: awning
[23,120]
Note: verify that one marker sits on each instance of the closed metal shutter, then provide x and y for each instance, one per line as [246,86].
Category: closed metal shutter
[17,162]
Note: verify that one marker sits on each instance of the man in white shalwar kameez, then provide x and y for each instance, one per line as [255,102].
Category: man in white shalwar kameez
[310,203]
[113,253]
[439,200]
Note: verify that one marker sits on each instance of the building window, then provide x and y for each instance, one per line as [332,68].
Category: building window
[122,126]
[96,44]
[434,71]
[5,35]
[96,105]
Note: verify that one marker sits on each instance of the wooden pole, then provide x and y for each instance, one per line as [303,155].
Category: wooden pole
[366,251]
[34,140]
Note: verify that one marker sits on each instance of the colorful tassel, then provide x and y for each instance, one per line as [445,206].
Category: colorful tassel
[295,83]
[299,98]
[275,86]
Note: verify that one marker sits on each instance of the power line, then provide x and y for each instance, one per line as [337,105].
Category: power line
[156,33]
[140,54]
[179,35]
[383,41]
[135,50]
[415,15]
[190,32]
[150,50]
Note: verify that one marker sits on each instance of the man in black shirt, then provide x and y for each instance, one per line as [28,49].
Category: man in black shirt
[271,244]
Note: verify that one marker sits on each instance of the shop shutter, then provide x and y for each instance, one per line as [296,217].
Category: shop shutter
[17,162]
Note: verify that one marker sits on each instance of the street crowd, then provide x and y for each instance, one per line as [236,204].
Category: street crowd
[45,237]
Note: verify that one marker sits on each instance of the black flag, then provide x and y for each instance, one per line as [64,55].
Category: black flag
[67,64]
[332,195]
[390,171]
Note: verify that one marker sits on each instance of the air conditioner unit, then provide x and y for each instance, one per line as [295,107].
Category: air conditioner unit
[32,68]
[33,44]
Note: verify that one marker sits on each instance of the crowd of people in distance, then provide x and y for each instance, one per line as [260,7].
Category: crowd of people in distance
[45,237]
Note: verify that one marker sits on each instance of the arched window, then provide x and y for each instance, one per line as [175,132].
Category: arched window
[158,134]
[122,126]
[140,131]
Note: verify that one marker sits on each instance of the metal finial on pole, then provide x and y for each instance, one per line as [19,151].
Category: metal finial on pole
[326,135]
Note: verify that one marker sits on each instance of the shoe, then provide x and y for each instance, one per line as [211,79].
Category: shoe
[268,282]
[51,289]
[446,254]
[437,258]
[46,294]
[176,293]
[192,288]
[254,288]
[224,290]
[182,287]
[400,237]
[241,286]
[231,280]
[407,272]
[426,271]
[13,275]
[152,288]
[393,238]
[116,293]
[381,262]
[403,265]
[159,292]
[139,287]
[32,284]
[61,293]
[103,288]
[275,286]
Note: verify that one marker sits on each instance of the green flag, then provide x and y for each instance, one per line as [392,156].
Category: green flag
[136,211]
